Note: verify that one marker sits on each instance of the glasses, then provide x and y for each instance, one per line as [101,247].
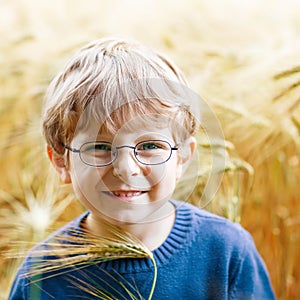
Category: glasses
[101,154]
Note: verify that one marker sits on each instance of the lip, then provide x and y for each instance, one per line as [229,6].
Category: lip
[125,196]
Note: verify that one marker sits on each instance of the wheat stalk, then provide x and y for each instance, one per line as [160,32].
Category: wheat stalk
[81,249]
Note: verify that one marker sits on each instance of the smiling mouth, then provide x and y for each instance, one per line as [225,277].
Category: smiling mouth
[126,195]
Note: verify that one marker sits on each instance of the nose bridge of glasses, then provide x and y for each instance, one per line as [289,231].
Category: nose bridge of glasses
[133,155]
[125,146]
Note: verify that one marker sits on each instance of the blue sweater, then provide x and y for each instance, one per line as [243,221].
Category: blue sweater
[204,257]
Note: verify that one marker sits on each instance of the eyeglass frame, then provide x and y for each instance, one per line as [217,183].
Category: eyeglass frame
[75,150]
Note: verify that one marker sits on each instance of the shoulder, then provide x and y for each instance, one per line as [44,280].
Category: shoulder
[206,218]
[42,249]
[68,229]
[37,254]
[213,230]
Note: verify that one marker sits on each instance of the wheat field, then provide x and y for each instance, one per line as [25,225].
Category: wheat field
[242,57]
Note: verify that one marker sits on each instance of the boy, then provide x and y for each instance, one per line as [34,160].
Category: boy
[118,128]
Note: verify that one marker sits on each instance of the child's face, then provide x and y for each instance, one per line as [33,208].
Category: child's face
[126,190]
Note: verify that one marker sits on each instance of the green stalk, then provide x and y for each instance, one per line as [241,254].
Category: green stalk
[154,277]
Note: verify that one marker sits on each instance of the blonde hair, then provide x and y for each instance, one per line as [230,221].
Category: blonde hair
[113,76]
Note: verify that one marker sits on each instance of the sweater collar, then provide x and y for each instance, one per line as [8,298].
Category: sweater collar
[176,239]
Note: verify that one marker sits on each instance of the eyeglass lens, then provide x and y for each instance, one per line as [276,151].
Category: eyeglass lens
[149,152]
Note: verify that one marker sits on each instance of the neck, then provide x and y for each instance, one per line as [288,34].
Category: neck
[151,233]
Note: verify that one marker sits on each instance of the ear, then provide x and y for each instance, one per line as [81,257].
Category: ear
[58,161]
[187,151]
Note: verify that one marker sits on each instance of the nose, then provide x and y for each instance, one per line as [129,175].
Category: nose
[126,164]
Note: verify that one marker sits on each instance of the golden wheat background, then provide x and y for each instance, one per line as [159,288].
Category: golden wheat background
[243,57]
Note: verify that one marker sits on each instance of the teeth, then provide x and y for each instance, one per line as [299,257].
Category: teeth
[127,194]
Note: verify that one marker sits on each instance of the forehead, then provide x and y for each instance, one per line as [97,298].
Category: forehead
[137,127]
[135,122]
[146,114]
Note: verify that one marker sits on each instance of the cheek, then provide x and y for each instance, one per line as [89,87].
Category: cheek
[157,175]
[167,179]
[85,180]
[78,184]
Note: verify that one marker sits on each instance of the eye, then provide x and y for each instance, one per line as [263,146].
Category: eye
[102,147]
[152,145]
[148,146]
[97,147]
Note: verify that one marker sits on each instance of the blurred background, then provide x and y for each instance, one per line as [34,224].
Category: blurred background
[242,57]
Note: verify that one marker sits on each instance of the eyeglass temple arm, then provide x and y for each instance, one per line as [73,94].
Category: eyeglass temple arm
[71,149]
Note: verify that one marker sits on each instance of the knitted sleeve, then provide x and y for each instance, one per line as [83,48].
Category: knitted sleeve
[17,290]
[250,279]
